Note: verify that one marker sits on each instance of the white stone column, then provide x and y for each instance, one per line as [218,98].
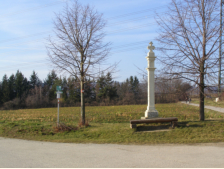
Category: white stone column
[151,112]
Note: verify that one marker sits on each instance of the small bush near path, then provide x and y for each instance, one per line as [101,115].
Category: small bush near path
[111,124]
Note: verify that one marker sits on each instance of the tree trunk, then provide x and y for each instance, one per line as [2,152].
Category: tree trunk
[202,67]
[82,92]
[82,101]
[202,98]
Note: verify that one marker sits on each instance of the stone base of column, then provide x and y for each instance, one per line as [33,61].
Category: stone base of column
[150,115]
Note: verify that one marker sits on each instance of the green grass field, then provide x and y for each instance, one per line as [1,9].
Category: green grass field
[111,124]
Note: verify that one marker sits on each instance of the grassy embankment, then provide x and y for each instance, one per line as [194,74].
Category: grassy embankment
[210,102]
[110,124]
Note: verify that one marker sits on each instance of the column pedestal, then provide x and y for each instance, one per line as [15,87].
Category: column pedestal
[150,114]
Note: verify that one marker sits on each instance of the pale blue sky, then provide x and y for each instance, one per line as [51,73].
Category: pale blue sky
[25,24]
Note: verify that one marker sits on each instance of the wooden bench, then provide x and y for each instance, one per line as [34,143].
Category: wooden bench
[172,120]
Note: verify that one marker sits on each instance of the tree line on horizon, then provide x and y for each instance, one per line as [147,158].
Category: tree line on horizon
[17,91]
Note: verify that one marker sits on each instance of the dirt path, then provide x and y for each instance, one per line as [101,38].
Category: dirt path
[21,153]
[219,109]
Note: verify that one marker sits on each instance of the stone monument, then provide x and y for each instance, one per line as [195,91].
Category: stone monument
[151,112]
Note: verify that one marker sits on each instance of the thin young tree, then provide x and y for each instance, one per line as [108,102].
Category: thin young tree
[189,39]
[78,46]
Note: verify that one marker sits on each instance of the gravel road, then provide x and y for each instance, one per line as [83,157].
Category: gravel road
[22,153]
[218,109]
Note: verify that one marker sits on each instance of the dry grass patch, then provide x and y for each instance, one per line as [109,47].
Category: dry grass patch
[111,124]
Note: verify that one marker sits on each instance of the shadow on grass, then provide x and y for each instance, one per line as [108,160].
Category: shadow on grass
[153,128]
[214,120]
[194,124]
[185,124]
[161,127]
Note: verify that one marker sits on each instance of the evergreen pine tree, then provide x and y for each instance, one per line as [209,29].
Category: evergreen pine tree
[106,87]
[12,90]
[34,80]
[64,88]
[74,90]
[5,89]
[51,82]
[19,84]
[1,94]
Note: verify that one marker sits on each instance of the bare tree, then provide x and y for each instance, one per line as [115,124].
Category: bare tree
[189,39]
[78,46]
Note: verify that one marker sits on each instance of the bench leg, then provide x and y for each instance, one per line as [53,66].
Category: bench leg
[173,124]
[133,126]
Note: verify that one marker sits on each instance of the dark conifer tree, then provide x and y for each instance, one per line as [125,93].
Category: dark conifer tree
[34,80]
[5,89]
[50,82]
[74,90]
[19,84]
[64,88]
[51,77]
[12,90]
[89,93]
[26,86]
[136,86]
[106,87]
[1,94]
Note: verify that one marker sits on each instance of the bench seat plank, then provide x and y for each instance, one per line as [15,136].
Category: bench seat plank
[154,120]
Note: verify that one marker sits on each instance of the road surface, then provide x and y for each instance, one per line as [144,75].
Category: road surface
[22,153]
